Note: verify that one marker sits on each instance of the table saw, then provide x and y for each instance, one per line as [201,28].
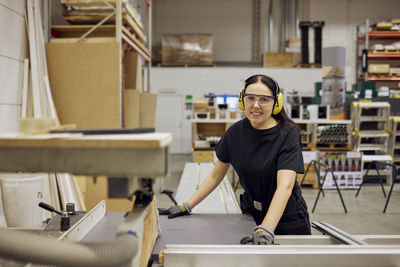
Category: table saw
[200,239]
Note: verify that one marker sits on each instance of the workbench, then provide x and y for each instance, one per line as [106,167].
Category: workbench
[143,155]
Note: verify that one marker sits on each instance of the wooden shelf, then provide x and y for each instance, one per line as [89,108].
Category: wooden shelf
[381,78]
[384,55]
[382,35]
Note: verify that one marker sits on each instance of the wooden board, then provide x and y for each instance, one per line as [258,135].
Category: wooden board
[97,190]
[87,2]
[150,233]
[85,83]
[95,18]
[148,140]
[70,31]
[86,40]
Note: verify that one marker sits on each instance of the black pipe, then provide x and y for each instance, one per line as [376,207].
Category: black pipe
[318,25]
[304,25]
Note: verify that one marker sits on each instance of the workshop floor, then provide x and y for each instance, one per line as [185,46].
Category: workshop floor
[365,213]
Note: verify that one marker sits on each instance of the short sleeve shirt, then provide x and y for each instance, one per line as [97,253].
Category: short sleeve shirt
[257,155]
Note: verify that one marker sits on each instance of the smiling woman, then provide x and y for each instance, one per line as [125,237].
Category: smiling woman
[264,149]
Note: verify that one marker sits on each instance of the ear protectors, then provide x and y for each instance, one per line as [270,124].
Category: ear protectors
[241,104]
[278,104]
[278,100]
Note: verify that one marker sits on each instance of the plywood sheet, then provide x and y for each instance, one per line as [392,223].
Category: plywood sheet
[148,107]
[131,70]
[97,190]
[84,79]
[131,100]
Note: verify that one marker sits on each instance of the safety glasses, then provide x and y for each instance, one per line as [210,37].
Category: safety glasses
[263,100]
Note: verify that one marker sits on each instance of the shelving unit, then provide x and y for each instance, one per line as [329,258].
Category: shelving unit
[394,146]
[311,136]
[391,57]
[92,65]
[370,121]
[370,134]
[203,151]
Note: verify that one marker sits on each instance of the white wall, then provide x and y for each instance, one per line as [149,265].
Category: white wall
[13,50]
[228,80]
[341,18]
[228,20]
[230,23]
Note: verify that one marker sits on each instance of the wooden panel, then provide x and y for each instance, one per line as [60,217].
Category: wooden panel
[9,117]
[71,31]
[10,80]
[151,229]
[131,108]
[79,141]
[84,79]
[204,156]
[131,70]
[13,33]
[97,190]
[147,109]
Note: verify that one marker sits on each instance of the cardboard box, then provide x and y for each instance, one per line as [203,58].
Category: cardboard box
[85,83]
[378,68]
[147,109]
[195,49]
[281,60]
[131,106]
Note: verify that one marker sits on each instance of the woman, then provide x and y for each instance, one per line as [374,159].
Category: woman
[264,149]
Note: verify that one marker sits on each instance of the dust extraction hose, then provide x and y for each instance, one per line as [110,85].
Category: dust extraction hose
[21,246]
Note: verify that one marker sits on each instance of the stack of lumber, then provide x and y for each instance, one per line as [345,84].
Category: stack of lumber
[38,106]
[86,14]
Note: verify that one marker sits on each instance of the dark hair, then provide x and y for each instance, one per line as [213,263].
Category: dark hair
[281,117]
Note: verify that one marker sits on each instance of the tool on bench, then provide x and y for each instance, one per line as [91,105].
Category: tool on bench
[65,222]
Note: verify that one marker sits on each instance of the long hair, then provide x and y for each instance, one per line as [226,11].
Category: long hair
[281,117]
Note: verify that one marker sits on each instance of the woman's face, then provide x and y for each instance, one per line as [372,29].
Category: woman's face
[259,112]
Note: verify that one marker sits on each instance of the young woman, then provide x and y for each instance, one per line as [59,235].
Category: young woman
[264,149]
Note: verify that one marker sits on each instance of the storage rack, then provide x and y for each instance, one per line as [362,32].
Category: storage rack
[394,144]
[123,36]
[370,133]
[311,137]
[391,57]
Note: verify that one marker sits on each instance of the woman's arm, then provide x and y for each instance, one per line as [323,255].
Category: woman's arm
[209,184]
[285,183]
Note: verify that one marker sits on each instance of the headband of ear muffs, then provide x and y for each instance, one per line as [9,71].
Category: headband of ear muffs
[278,99]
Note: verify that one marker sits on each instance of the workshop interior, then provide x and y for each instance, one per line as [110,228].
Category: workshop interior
[114,113]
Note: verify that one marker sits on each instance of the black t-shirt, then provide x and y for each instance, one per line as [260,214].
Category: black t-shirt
[257,155]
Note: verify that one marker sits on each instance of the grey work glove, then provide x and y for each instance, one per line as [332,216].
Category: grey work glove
[261,235]
[177,210]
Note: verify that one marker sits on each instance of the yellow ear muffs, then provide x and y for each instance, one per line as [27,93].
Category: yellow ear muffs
[278,104]
[241,104]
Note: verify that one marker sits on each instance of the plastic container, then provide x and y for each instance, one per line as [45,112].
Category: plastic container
[21,194]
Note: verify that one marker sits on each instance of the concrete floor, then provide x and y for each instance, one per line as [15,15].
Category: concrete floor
[365,213]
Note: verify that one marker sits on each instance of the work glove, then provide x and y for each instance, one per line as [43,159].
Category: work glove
[177,210]
[261,235]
